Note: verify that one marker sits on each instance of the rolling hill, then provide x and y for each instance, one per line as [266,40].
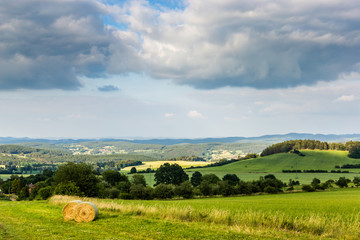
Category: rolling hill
[319,160]
[252,169]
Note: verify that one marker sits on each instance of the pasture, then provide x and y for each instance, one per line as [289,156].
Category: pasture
[331,214]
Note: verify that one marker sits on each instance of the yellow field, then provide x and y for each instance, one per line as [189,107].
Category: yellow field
[157,164]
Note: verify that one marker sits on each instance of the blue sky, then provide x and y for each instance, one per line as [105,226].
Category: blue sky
[97,68]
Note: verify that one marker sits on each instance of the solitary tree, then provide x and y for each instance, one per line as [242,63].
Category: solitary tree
[170,174]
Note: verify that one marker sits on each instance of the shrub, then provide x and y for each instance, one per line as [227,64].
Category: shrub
[185,190]
[342,182]
[44,193]
[271,189]
[308,188]
[138,191]
[226,189]
[138,179]
[112,193]
[164,191]
[205,188]
[67,189]
[125,196]
[124,187]
[244,188]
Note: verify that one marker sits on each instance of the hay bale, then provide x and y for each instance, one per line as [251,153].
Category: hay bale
[69,210]
[86,212]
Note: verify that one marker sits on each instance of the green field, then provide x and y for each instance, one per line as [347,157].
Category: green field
[324,160]
[332,214]
[252,169]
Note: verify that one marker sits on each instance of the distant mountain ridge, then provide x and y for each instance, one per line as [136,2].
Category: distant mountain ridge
[266,138]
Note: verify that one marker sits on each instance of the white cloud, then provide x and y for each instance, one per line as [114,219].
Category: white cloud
[345,98]
[194,114]
[169,115]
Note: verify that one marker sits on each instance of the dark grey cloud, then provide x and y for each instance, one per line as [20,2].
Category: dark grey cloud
[261,44]
[47,44]
[108,88]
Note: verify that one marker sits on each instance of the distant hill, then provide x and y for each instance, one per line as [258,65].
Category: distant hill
[266,138]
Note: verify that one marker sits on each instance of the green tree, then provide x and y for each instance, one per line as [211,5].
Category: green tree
[232,179]
[342,182]
[133,170]
[112,177]
[205,188]
[226,189]
[138,179]
[354,150]
[315,182]
[163,191]
[196,179]
[185,190]
[356,181]
[81,174]
[211,178]
[17,185]
[170,174]
[44,193]
[138,191]
[67,188]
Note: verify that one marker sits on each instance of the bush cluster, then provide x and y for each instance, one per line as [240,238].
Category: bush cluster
[171,182]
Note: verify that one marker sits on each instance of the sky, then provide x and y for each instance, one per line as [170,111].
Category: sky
[178,69]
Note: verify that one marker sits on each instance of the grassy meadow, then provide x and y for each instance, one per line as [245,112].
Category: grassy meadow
[252,169]
[333,214]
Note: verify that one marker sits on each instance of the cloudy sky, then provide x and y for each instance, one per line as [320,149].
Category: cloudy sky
[167,68]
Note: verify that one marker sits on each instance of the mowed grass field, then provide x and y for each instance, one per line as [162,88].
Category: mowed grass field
[331,214]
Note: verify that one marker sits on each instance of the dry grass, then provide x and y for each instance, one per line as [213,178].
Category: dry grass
[157,164]
[318,225]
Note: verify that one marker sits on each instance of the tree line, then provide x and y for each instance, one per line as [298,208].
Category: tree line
[171,181]
[294,145]
[80,179]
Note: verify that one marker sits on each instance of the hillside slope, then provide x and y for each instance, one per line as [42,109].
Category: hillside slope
[323,160]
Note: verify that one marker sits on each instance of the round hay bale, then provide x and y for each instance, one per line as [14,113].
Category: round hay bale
[69,210]
[86,212]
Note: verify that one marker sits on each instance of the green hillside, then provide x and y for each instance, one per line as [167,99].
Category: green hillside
[324,160]
[252,169]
